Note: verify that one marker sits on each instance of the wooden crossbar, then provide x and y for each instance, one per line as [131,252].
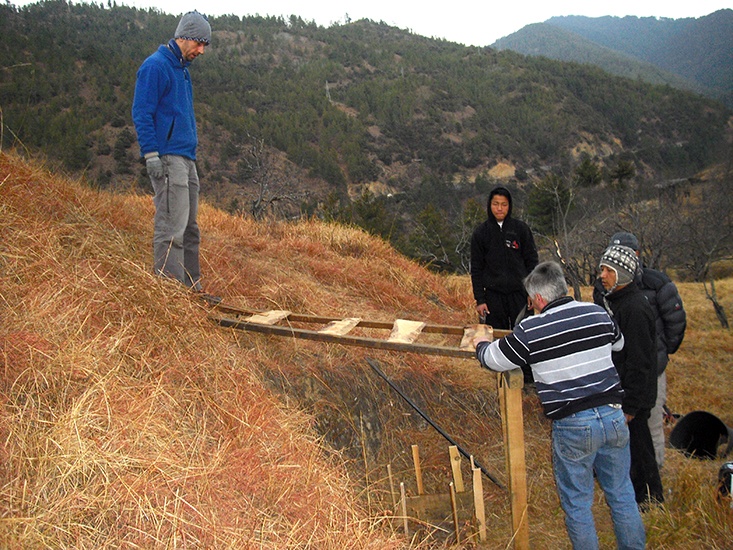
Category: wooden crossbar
[340,327]
[406,331]
[471,332]
[268,317]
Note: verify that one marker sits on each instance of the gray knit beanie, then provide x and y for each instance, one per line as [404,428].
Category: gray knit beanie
[194,26]
[623,261]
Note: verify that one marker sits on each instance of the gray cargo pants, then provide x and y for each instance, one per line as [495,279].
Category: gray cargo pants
[177,236]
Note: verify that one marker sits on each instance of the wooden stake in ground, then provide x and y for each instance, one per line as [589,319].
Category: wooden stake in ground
[391,486]
[418,471]
[403,497]
[454,509]
[455,463]
[478,503]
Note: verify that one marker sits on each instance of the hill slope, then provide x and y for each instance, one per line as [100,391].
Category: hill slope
[127,418]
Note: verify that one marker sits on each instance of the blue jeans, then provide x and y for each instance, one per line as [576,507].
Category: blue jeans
[596,440]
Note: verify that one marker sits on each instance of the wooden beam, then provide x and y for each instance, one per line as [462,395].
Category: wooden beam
[324,320]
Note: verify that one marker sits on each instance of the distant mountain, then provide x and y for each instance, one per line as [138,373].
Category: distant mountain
[557,43]
[691,53]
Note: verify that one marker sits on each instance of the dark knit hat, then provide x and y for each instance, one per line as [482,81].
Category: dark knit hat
[626,239]
[194,26]
[623,261]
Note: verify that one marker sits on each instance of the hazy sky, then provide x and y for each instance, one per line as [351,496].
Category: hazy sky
[470,22]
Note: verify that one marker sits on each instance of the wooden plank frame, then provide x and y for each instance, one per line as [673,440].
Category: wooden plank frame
[509,384]
[336,330]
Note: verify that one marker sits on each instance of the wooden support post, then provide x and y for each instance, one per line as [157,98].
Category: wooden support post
[418,472]
[403,497]
[454,509]
[455,463]
[478,503]
[510,392]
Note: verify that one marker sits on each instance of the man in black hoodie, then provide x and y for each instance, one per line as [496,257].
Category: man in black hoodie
[503,253]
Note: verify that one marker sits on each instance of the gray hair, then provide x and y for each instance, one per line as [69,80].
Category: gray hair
[547,280]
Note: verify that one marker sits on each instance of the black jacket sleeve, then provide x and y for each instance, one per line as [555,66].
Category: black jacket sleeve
[529,250]
[478,255]
[674,318]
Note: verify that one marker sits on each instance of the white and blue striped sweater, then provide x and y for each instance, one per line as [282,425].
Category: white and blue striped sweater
[568,347]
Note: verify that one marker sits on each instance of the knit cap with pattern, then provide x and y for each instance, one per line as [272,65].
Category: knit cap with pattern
[623,261]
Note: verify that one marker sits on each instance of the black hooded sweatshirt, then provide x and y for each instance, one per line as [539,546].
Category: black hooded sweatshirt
[501,256]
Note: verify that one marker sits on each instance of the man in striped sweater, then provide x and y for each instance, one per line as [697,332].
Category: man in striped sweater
[567,345]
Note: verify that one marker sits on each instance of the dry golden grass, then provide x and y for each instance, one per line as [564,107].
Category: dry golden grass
[129,420]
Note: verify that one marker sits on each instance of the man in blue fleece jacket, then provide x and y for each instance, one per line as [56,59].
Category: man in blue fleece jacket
[162,111]
[568,346]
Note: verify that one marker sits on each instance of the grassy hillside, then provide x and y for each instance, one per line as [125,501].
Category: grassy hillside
[349,106]
[129,420]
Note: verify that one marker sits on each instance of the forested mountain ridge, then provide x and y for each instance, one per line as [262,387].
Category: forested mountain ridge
[688,53]
[555,42]
[302,118]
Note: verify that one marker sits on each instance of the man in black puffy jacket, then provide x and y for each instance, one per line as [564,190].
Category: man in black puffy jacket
[671,322]
[636,364]
[503,253]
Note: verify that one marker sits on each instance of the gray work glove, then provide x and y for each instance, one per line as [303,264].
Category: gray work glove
[155,167]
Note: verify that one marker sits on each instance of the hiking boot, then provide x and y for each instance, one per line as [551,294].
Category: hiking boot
[208,298]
